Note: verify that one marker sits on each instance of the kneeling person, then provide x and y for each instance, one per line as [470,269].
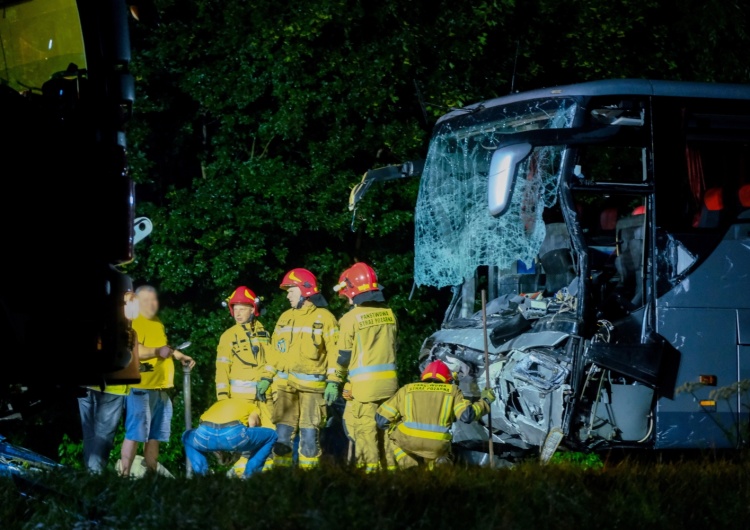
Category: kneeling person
[229,425]
[419,416]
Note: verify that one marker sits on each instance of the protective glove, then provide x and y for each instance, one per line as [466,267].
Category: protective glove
[261,389]
[331,392]
[165,352]
[488,395]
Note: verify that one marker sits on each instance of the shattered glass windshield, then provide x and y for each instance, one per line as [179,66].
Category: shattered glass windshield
[454,231]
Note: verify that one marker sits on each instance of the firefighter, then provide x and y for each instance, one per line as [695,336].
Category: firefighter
[367,359]
[241,358]
[419,416]
[302,339]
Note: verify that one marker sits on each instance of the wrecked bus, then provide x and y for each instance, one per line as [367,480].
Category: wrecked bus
[608,223]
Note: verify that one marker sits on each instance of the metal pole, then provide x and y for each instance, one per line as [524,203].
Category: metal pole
[487,376]
[188,412]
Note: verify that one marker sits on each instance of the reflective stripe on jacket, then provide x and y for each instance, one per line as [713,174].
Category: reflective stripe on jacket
[241,359]
[428,410]
[301,342]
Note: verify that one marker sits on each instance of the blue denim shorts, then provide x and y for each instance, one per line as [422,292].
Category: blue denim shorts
[148,415]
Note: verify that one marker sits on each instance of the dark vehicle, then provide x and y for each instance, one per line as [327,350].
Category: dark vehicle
[68,202]
[609,224]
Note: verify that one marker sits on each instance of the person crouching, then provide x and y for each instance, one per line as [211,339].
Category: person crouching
[231,425]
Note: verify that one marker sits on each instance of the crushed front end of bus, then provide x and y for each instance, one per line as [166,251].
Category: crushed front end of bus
[548,204]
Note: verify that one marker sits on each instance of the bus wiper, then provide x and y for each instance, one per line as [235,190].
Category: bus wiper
[393,172]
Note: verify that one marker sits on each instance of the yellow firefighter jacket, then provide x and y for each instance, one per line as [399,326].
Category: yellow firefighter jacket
[301,342]
[367,350]
[241,360]
[424,412]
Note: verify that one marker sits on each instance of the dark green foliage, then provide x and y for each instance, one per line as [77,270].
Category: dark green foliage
[70,452]
[253,121]
[574,458]
[705,493]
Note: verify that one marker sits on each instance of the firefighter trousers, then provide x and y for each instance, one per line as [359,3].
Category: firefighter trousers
[410,451]
[303,412]
[373,449]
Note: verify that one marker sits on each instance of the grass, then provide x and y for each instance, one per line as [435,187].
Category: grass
[704,492]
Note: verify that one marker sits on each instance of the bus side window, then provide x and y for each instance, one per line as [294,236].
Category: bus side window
[673,260]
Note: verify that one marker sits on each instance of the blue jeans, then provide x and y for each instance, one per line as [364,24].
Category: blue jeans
[100,416]
[148,415]
[255,443]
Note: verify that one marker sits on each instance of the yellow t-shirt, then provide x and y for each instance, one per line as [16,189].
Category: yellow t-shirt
[159,372]
[120,390]
[230,409]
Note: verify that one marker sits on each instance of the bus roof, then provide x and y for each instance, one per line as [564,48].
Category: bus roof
[642,87]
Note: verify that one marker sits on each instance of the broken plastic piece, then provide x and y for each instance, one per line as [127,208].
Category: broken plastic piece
[551,443]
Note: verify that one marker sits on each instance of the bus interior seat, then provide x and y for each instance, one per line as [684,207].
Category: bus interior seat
[601,242]
[629,258]
[556,258]
[603,234]
[608,219]
[712,209]
[743,194]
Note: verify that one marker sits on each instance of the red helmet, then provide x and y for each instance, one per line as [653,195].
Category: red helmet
[437,370]
[243,295]
[357,279]
[302,278]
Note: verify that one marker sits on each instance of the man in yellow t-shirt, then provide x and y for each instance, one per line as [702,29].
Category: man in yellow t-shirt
[148,406]
[231,424]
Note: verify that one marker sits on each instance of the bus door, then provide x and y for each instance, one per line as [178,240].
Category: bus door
[611,212]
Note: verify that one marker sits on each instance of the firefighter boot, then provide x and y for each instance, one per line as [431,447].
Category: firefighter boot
[309,448]
[282,449]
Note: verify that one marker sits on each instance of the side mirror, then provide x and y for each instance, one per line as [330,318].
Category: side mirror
[502,175]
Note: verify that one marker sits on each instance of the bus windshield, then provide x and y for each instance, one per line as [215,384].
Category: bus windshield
[455,232]
[39,39]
